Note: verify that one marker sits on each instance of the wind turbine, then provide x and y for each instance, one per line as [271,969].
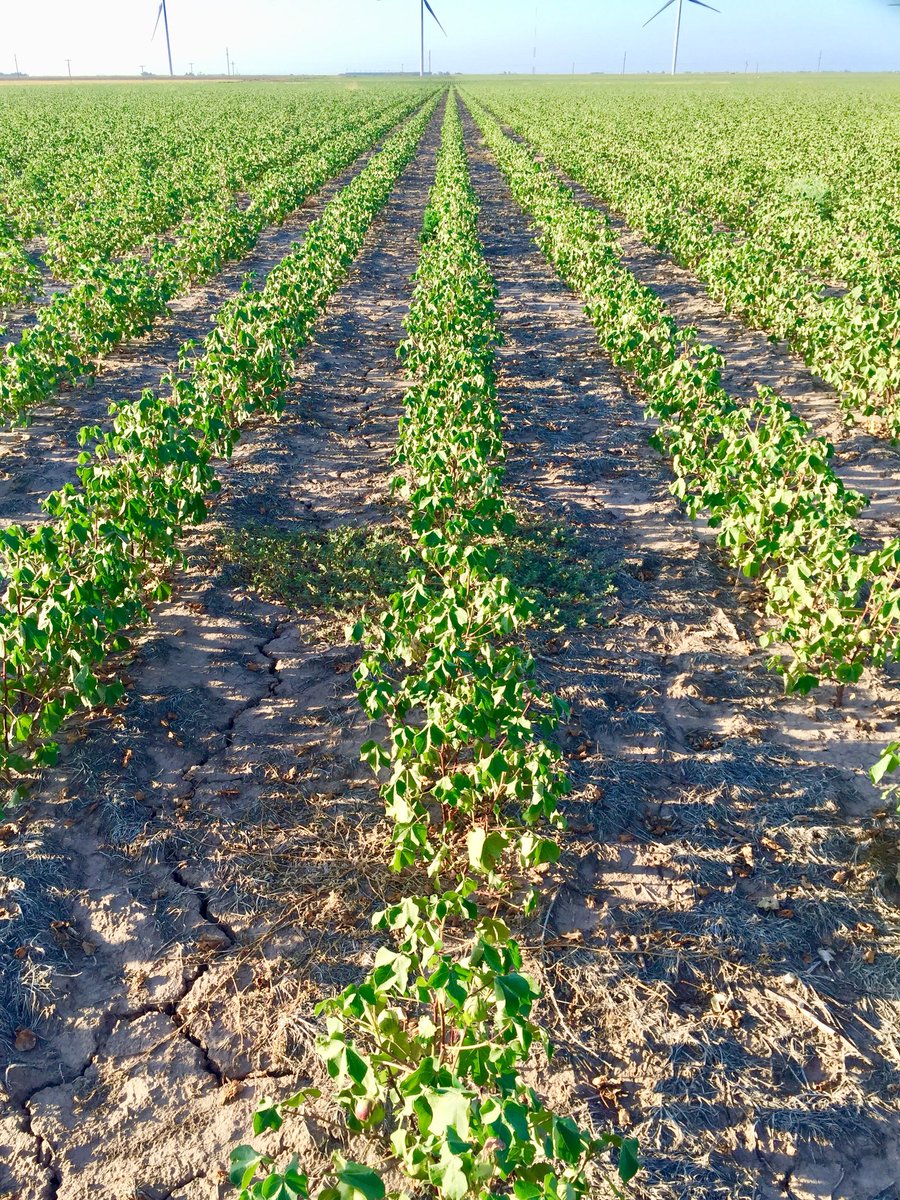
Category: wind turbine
[165,19]
[424,4]
[680,4]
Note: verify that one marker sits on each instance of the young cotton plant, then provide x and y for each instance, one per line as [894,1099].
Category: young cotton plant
[427,1052]
[854,625]
[471,761]
[472,769]
[78,581]
[19,277]
[426,1055]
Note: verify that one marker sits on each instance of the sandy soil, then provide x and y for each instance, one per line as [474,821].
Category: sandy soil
[718,944]
[723,856]
[42,457]
[863,461]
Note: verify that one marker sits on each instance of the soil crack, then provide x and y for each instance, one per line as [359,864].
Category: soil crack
[211,787]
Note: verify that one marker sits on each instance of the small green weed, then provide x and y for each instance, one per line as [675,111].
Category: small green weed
[559,571]
[333,570]
[338,571]
[816,190]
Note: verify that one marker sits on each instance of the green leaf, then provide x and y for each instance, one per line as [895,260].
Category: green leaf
[523,1189]
[536,850]
[266,1117]
[628,1160]
[887,764]
[449,1110]
[22,727]
[243,1162]
[357,1182]
[450,1177]
[485,849]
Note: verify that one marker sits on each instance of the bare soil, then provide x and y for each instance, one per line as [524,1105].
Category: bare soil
[704,943]
[42,457]
[718,945]
[863,460]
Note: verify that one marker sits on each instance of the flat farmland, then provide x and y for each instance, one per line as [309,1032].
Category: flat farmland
[450,557]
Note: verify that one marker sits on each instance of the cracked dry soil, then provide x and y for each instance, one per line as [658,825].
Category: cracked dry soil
[201,868]
[699,942]
[183,883]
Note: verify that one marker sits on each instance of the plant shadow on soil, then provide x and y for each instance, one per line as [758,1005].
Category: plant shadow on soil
[722,938]
[719,876]
[682,901]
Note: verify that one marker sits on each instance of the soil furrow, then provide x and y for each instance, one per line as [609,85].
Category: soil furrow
[703,943]
[15,320]
[213,819]
[42,457]
[863,462]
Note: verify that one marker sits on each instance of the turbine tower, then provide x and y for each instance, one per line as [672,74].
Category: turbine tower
[680,4]
[424,4]
[165,19]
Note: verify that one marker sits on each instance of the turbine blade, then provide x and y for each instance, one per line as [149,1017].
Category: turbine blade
[656,14]
[156,26]
[434,14]
[703,4]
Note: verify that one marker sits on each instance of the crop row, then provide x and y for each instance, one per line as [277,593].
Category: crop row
[100,173]
[768,486]
[122,298]
[848,333]
[427,1052]
[813,167]
[92,187]
[79,580]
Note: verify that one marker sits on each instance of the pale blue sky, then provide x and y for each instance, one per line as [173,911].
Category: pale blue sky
[281,36]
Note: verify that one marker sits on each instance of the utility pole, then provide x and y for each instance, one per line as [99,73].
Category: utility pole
[166,28]
[429,62]
[624,61]
[142,68]
[228,60]
[191,68]
[819,67]
[677,37]
[16,61]
[69,65]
